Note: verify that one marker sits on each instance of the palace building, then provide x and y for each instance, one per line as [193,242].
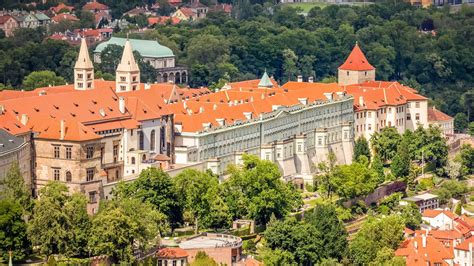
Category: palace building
[377,104]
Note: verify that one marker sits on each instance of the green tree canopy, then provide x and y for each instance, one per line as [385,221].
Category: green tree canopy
[156,187]
[361,147]
[385,143]
[257,191]
[38,79]
[13,233]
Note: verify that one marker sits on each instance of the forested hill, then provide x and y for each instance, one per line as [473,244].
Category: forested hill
[429,49]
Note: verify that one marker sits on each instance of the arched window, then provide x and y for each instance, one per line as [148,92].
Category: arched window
[162,139]
[133,160]
[141,141]
[68,176]
[144,157]
[152,140]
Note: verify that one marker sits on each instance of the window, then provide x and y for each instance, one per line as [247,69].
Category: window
[417,116]
[152,140]
[408,105]
[369,114]
[390,110]
[115,150]
[417,104]
[89,76]
[89,84]
[369,126]
[134,87]
[347,73]
[89,152]
[366,73]
[56,151]
[320,141]
[408,116]
[299,148]
[79,76]
[122,88]
[68,176]
[123,79]
[133,160]
[92,197]
[134,78]
[79,84]
[90,174]
[141,140]
[68,152]
[56,174]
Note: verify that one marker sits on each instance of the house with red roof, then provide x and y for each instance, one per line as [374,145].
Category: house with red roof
[61,7]
[424,249]
[172,256]
[64,17]
[101,12]
[442,120]
[162,20]
[8,24]
[439,219]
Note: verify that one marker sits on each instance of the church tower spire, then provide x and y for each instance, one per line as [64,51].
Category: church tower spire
[83,69]
[127,76]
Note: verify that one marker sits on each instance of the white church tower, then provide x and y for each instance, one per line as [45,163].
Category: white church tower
[127,76]
[83,69]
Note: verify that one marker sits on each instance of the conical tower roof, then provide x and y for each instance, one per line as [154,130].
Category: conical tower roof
[356,61]
[265,81]
[128,64]
[83,60]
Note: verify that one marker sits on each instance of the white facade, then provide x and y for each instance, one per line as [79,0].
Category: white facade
[294,137]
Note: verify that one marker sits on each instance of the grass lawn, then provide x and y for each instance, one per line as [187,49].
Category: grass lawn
[306,7]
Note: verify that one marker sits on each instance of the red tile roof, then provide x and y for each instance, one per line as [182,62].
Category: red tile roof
[12,125]
[163,20]
[433,213]
[465,244]
[171,253]
[188,12]
[436,115]
[356,61]
[64,16]
[418,253]
[4,19]
[60,7]
[92,6]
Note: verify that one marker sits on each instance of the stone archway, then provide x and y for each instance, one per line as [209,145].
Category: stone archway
[184,77]
[165,77]
[171,77]
[177,78]
[159,78]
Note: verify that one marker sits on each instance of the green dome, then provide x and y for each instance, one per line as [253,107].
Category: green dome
[146,48]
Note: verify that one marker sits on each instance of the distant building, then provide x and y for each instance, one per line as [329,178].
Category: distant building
[423,201]
[444,121]
[16,149]
[162,20]
[222,248]
[160,57]
[101,12]
[439,219]
[193,11]
[172,256]
[8,24]
[61,7]
[64,17]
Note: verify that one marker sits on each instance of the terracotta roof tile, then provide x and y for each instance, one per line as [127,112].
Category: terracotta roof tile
[171,253]
[356,61]
[436,115]
[91,6]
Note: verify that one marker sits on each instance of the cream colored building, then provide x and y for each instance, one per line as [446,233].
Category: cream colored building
[442,120]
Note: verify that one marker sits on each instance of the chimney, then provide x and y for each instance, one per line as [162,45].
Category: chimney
[310,79]
[415,243]
[185,105]
[251,99]
[300,78]
[248,115]
[24,119]
[2,109]
[220,121]
[361,101]
[328,95]
[303,101]
[423,239]
[122,104]
[214,107]
[206,126]
[62,129]
[147,86]
[201,110]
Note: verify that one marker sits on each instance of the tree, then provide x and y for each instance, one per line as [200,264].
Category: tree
[400,166]
[351,181]
[60,222]
[453,169]
[467,158]
[16,188]
[38,79]
[87,19]
[202,259]
[333,233]
[198,192]
[470,129]
[451,189]
[256,191]
[324,180]
[110,58]
[386,256]
[377,167]
[123,226]
[410,214]
[289,63]
[277,257]
[375,235]
[13,234]
[156,187]
[460,122]
[361,147]
[385,143]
